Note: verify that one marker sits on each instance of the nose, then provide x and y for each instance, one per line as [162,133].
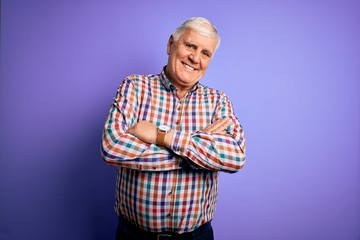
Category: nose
[194,57]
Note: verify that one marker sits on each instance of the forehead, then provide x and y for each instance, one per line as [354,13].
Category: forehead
[201,41]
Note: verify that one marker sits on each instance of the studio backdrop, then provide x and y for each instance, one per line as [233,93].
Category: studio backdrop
[291,69]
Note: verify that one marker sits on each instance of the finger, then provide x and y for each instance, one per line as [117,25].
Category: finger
[216,125]
[222,132]
[211,127]
[222,127]
[130,130]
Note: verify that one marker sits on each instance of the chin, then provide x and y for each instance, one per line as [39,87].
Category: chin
[191,79]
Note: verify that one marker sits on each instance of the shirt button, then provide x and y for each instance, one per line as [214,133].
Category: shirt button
[168,215]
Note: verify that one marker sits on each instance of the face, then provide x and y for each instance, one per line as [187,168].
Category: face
[189,58]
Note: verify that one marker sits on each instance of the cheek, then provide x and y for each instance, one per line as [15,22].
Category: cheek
[204,66]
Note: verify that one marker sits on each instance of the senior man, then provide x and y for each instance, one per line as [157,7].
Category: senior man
[170,136]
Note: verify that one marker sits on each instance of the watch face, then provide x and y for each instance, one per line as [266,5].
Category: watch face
[164,128]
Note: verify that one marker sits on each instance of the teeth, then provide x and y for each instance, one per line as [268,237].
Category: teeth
[188,67]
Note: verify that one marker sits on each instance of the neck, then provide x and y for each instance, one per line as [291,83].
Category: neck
[181,90]
[181,93]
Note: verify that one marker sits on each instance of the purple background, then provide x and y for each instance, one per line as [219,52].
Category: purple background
[291,68]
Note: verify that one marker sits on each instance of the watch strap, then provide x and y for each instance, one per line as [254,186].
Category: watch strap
[160,138]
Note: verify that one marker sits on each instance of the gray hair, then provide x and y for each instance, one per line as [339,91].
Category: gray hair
[199,24]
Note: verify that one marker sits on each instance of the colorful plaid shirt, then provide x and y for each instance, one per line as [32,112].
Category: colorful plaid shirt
[170,189]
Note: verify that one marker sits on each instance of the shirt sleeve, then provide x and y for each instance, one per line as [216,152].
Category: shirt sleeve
[217,152]
[123,149]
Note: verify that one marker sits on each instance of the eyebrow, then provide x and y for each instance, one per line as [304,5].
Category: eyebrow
[204,50]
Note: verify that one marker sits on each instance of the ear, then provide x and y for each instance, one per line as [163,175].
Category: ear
[169,44]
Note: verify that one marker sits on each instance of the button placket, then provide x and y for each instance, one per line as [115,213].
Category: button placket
[178,110]
[179,105]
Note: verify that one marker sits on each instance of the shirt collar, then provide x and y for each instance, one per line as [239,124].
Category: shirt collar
[168,84]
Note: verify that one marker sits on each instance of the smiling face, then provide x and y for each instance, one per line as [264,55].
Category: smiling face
[189,58]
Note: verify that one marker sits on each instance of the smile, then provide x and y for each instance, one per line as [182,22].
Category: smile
[189,67]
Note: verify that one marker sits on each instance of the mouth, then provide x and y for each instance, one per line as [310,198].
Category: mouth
[189,67]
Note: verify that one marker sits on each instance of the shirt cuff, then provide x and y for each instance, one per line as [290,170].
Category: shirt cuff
[180,142]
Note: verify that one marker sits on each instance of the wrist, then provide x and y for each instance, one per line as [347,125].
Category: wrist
[168,138]
[162,132]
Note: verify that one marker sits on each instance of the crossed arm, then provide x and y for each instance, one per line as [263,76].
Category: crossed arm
[147,131]
[131,144]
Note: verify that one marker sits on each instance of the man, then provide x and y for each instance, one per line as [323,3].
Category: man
[170,136]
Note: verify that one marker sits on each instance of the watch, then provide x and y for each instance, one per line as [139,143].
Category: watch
[160,137]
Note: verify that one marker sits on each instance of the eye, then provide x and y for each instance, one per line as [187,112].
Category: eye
[190,46]
[207,54]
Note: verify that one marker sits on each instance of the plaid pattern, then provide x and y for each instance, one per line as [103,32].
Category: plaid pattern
[160,189]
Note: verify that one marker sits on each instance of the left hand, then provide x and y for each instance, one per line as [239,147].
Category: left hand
[218,126]
[145,131]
